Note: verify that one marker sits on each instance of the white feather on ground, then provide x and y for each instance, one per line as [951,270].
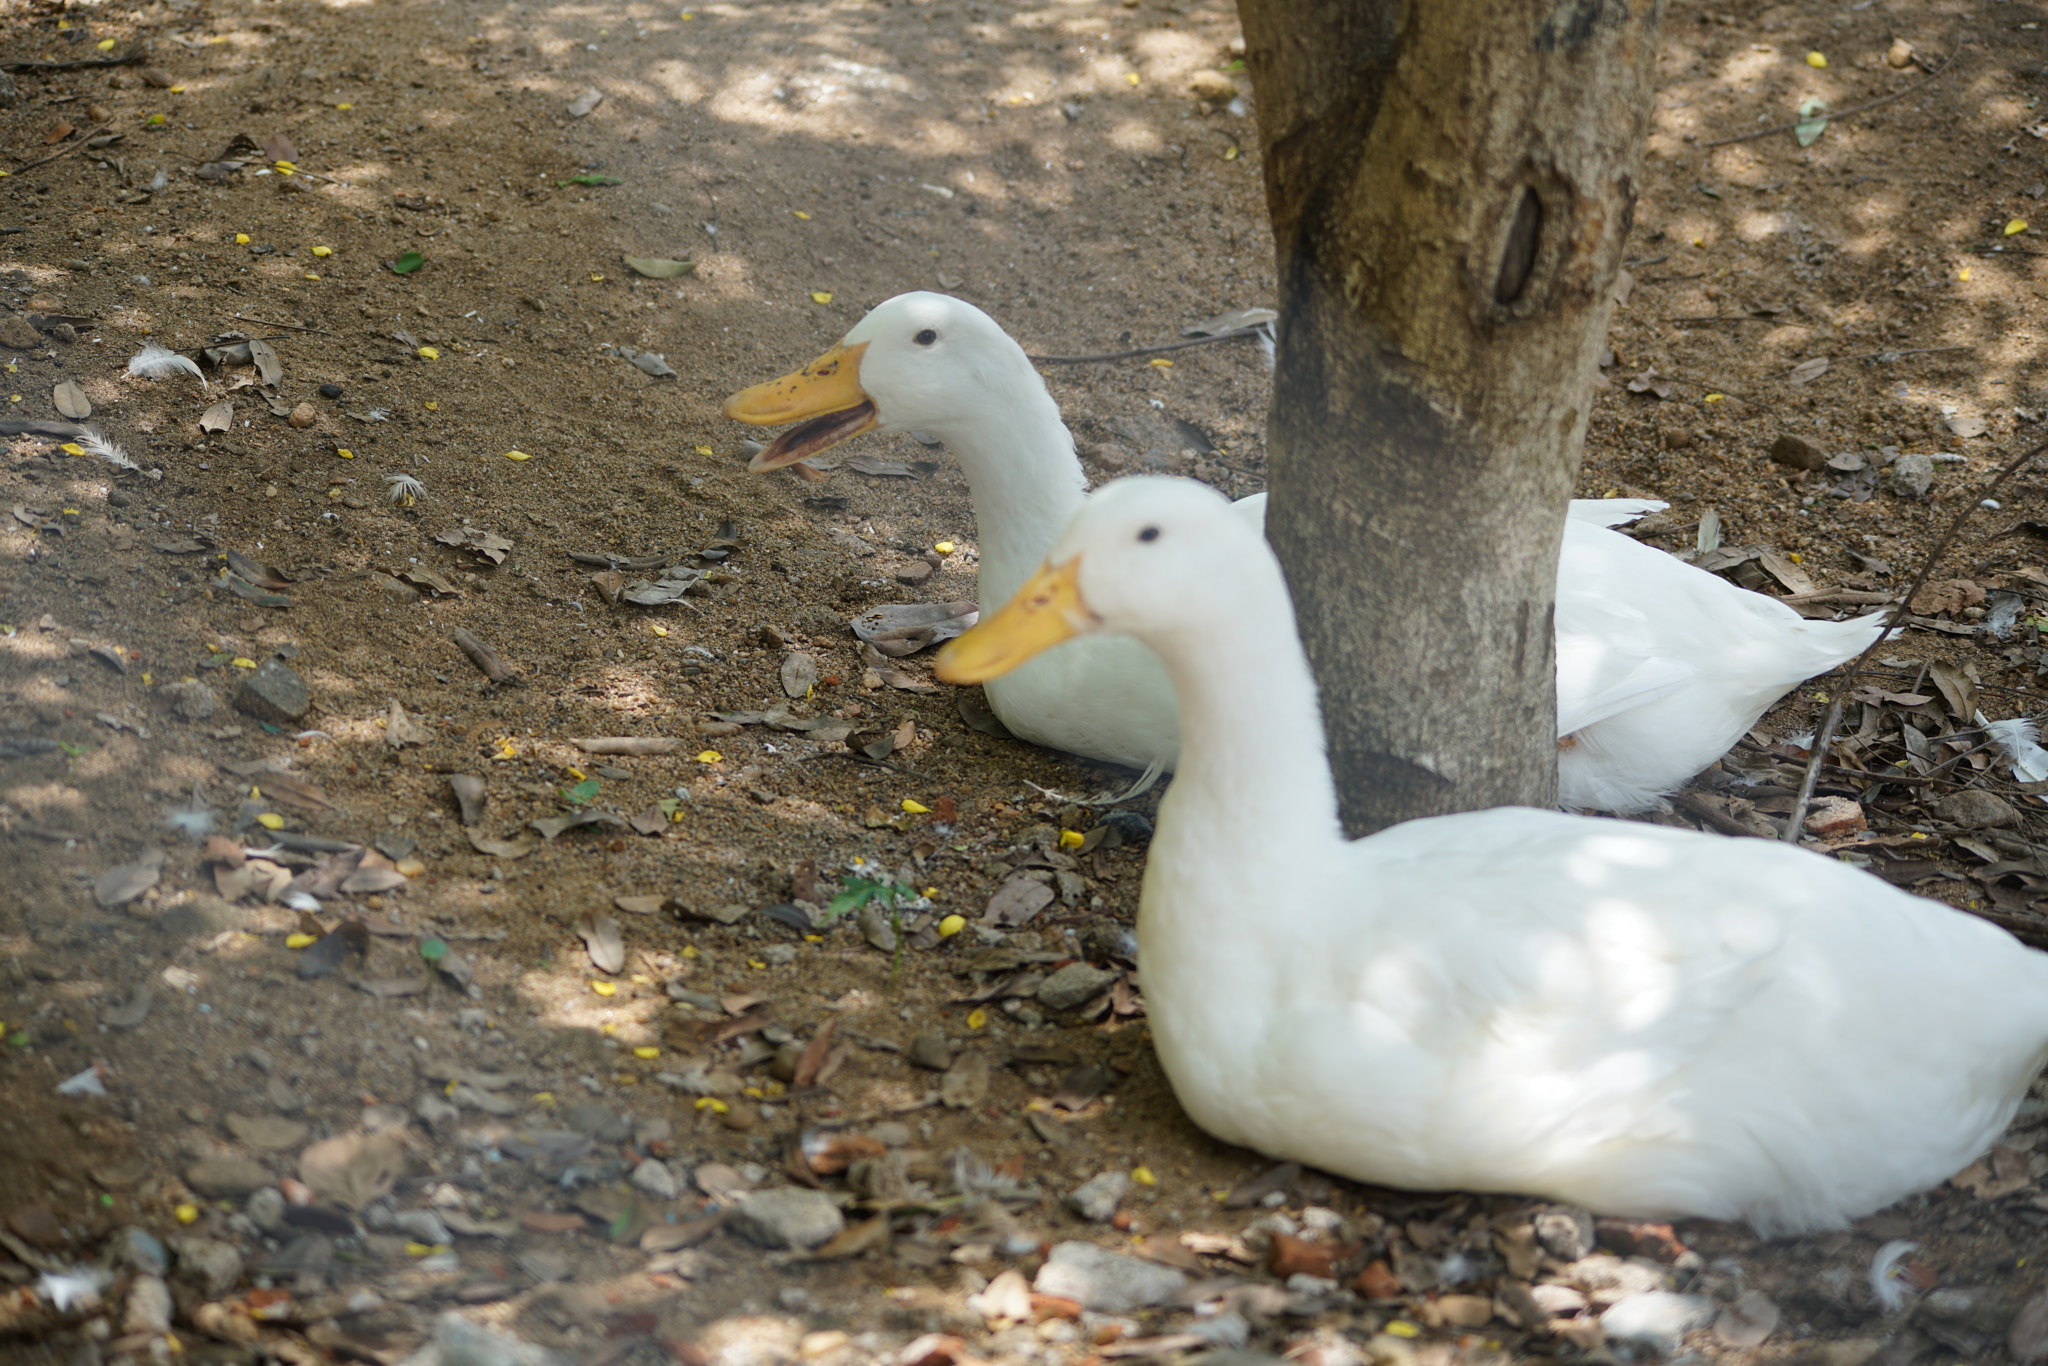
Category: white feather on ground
[2021,741]
[154,362]
[97,444]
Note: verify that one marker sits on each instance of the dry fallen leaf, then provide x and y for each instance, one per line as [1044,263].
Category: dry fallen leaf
[71,401]
[602,941]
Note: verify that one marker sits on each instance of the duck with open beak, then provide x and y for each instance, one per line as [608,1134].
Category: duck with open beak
[825,397]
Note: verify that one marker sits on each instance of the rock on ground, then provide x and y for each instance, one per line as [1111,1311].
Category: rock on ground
[1107,1282]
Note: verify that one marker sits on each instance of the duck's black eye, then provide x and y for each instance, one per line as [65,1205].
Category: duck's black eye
[926,337]
[1150,533]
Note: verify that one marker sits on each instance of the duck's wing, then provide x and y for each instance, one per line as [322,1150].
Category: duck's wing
[1611,512]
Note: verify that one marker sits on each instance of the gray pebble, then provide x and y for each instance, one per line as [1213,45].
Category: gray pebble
[434,1111]
[654,1177]
[149,1306]
[274,694]
[226,1177]
[788,1218]
[266,1209]
[192,700]
[1107,1282]
[1228,1329]
[1565,1232]
[1096,1199]
[1074,986]
[1658,1320]
[1975,809]
[215,1265]
[422,1226]
[1911,475]
[932,1050]
[140,1251]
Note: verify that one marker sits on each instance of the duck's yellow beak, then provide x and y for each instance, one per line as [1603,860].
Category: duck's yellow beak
[1046,611]
[828,390]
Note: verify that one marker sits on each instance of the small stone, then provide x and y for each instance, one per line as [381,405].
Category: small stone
[139,1250]
[1658,1319]
[1910,475]
[931,1050]
[330,391]
[544,1263]
[265,1209]
[1899,55]
[224,1178]
[1107,1282]
[965,1084]
[216,1266]
[63,332]
[1109,457]
[434,1112]
[1798,452]
[78,265]
[274,694]
[1074,986]
[192,700]
[788,1218]
[1096,1199]
[283,1098]
[149,1306]
[1748,1321]
[19,333]
[1214,86]
[421,1225]
[266,1133]
[1835,816]
[1974,809]
[38,1225]
[303,416]
[1566,1232]
[654,1177]
[1676,438]
[914,573]
[2027,1340]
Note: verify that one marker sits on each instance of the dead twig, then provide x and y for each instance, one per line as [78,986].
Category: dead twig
[78,64]
[1232,335]
[1825,736]
[1852,109]
[265,322]
[485,658]
[64,151]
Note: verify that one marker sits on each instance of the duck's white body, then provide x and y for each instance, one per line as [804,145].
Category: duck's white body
[1661,667]
[1646,1021]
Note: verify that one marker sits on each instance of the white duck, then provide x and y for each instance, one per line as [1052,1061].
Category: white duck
[1646,1021]
[1661,667]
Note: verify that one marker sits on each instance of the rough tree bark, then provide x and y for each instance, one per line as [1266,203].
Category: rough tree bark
[1450,185]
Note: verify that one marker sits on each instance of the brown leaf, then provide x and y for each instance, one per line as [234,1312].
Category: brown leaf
[278,147]
[401,730]
[71,401]
[58,132]
[813,1056]
[866,1236]
[1946,595]
[635,745]
[470,796]
[1015,902]
[219,418]
[602,941]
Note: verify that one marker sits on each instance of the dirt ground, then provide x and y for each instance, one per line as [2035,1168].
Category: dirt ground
[520,1073]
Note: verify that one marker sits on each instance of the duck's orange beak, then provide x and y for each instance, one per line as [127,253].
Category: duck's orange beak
[827,391]
[1047,611]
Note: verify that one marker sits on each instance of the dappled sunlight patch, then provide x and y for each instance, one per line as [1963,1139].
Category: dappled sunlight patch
[24,643]
[46,800]
[1136,135]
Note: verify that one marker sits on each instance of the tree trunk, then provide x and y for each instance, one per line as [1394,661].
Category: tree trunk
[1450,185]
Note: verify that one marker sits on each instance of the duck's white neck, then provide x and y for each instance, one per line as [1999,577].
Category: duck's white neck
[1026,480]
[1254,773]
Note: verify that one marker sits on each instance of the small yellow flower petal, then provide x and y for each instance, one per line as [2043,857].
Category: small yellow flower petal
[709,756]
[72,448]
[344,452]
[431,405]
[270,820]
[311,276]
[105,44]
[187,1213]
[916,808]
[241,239]
[517,455]
[977,1018]
[1132,77]
[713,1104]
[951,926]
[801,214]
[704,450]
[243,662]
[821,296]
[944,547]
[344,107]
[1230,154]
[300,941]
[1817,61]
[646,1054]
[605,988]
[578,774]
[2015,227]
[659,629]
[1071,839]
[177,90]
[323,251]
[429,353]
[1162,362]
[1714,398]
[1143,1176]
[1963,274]
[1401,1328]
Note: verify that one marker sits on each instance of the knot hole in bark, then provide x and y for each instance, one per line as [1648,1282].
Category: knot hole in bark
[1518,252]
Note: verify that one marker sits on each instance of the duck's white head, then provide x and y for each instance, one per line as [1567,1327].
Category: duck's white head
[918,361]
[1148,556]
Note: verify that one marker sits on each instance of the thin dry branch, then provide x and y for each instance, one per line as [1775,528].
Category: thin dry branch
[1932,77]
